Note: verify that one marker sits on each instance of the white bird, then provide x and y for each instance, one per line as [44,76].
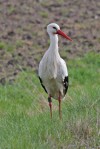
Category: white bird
[53,73]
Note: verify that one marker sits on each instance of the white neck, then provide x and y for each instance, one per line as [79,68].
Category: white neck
[53,43]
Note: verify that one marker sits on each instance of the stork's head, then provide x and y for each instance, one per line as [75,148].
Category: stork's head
[54,29]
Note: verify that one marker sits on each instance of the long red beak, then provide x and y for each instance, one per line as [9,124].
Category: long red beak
[63,34]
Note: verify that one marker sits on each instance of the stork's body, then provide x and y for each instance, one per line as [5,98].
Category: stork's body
[53,72]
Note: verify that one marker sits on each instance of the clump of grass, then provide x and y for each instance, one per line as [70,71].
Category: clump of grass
[7,47]
[11,10]
[2,45]
[19,43]
[44,14]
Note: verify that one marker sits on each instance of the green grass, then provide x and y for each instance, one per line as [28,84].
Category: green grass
[7,47]
[44,14]
[10,48]
[24,113]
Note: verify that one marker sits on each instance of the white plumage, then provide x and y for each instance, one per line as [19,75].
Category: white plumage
[53,72]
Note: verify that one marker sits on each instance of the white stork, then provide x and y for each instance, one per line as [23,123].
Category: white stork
[53,72]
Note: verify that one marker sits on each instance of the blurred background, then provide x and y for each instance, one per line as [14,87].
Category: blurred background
[24,112]
[23,37]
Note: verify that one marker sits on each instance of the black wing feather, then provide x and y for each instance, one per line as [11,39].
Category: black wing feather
[65,83]
[42,85]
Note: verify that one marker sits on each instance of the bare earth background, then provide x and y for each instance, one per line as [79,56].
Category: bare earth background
[23,37]
[24,112]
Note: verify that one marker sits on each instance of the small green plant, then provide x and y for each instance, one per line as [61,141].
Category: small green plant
[11,10]
[19,43]
[2,45]
[7,47]
[44,14]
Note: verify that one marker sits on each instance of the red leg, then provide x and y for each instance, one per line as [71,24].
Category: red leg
[59,99]
[50,105]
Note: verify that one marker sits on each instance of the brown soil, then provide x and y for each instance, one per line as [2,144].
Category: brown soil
[23,37]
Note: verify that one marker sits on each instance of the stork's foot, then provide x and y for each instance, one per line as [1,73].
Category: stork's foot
[60,112]
[50,105]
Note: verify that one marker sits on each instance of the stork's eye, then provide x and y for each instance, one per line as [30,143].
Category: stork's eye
[55,28]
